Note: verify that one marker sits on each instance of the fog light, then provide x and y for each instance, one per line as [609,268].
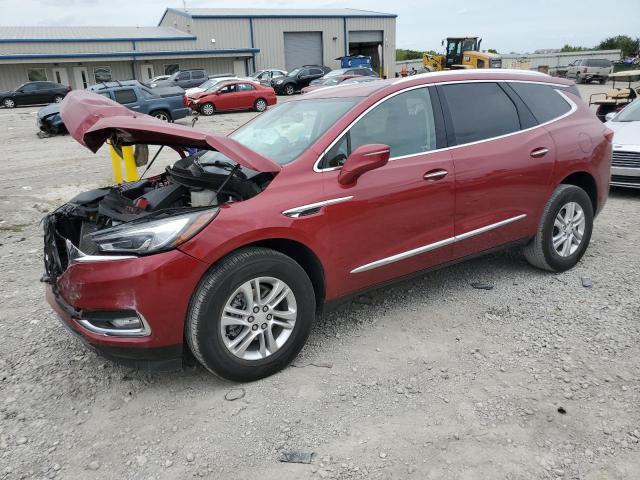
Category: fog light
[124,323]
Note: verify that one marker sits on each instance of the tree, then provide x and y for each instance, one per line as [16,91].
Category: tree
[492,50]
[404,54]
[573,48]
[628,45]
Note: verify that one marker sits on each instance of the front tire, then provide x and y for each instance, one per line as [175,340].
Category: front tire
[207,109]
[289,90]
[250,315]
[8,103]
[564,231]
[58,99]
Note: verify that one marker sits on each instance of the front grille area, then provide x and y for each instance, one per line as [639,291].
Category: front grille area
[626,180]
[625,159]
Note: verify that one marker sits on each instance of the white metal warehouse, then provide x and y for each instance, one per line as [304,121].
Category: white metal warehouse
[237,41]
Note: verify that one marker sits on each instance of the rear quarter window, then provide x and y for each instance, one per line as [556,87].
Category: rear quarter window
[480,111]
[544,101]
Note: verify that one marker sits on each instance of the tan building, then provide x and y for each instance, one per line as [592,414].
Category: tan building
[236,41]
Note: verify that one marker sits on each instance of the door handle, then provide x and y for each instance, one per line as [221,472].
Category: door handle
[539,152]
[437,174]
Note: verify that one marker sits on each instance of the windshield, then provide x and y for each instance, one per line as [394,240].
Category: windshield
[284,132]
[293,73]
[631,113]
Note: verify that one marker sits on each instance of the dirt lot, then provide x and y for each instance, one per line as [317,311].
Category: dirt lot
[535,378]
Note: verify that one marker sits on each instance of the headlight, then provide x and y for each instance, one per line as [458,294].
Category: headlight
[153,85]
[279,82]
[148,236]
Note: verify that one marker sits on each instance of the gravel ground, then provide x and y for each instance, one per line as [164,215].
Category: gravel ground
[535,378]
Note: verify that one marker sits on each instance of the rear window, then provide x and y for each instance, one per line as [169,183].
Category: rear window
[480,111]
[125,96]
[543,101]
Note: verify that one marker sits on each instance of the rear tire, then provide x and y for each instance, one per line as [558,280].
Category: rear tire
[546,251]
[207,109]
[260,105]
[226,291]
[8,103]
[58,99]
[161,115]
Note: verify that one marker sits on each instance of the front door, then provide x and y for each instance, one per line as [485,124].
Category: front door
[502,172]
[80,77]
[60,76]
[147,72]
[397,219]
[227,98]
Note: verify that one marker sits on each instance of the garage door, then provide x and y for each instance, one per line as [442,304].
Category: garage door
[302,48]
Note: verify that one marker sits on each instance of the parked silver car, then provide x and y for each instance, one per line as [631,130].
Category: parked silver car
[589,70]
[265,76]
[625,163]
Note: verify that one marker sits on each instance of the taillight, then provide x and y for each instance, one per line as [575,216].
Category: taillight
[608,134]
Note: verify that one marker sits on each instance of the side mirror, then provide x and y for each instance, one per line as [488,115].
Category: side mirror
[609,116]
[363,159]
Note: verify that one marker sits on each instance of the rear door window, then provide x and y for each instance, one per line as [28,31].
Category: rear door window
[197,75]
[479,111]
[543,101]
[125,96]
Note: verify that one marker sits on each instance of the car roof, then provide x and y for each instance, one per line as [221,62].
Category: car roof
[369,88]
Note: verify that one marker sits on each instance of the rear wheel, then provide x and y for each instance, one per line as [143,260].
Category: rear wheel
[603,81]
[260,105]
[8,103]
[251,314]
[58,98]
[207,109]
[161,115]
[289,90]
[564,231]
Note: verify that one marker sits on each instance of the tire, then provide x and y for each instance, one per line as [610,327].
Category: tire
[289,89]
[540,252]
[603,81]
[209,340]
[207,109]
[260,105]
[58,98]
[8,103]
[161,115]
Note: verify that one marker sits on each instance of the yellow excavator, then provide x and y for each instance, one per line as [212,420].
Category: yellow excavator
[461,52]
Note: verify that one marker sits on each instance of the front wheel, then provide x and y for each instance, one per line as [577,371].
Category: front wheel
[289,90]
[8,103]
[250,315]
[564,231]
[207,109]
[58,98]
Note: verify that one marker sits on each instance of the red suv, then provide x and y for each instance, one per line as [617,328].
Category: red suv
[234,248]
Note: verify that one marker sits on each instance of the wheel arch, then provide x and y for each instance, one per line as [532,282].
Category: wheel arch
[302,255]
[587,182]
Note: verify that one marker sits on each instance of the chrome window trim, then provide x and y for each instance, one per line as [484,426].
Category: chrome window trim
[573,108]
[295,212]
[432,246]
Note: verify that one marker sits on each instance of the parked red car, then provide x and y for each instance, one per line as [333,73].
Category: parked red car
[232,95]
[235,248]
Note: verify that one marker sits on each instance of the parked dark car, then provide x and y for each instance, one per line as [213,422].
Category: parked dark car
[183,78]
[297,79]
[350,72]
[163,103]
[34,93]
[232,250]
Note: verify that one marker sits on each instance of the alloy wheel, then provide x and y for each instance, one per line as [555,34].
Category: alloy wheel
[8,103]
[258,318]
[161,116]
[568,229]
[207,109]
[261,105]
[289,90]
[58,98]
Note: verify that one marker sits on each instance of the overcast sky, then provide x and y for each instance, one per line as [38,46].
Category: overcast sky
[506,25]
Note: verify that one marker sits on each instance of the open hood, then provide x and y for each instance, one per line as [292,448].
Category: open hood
[91,119]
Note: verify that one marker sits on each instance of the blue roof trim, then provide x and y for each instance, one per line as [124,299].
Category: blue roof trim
[134,54]
[83,40]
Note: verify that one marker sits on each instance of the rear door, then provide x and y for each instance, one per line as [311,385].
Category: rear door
[198,77]
[246,95]
[397,219]
[503,164]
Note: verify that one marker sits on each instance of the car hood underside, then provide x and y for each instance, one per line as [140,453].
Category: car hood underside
[92,119]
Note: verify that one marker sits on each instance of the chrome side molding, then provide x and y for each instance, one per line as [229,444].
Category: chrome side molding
[311,208]
[433,246]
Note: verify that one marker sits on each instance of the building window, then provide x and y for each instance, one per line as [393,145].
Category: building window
[102,74]
[37,74]
[171,68]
